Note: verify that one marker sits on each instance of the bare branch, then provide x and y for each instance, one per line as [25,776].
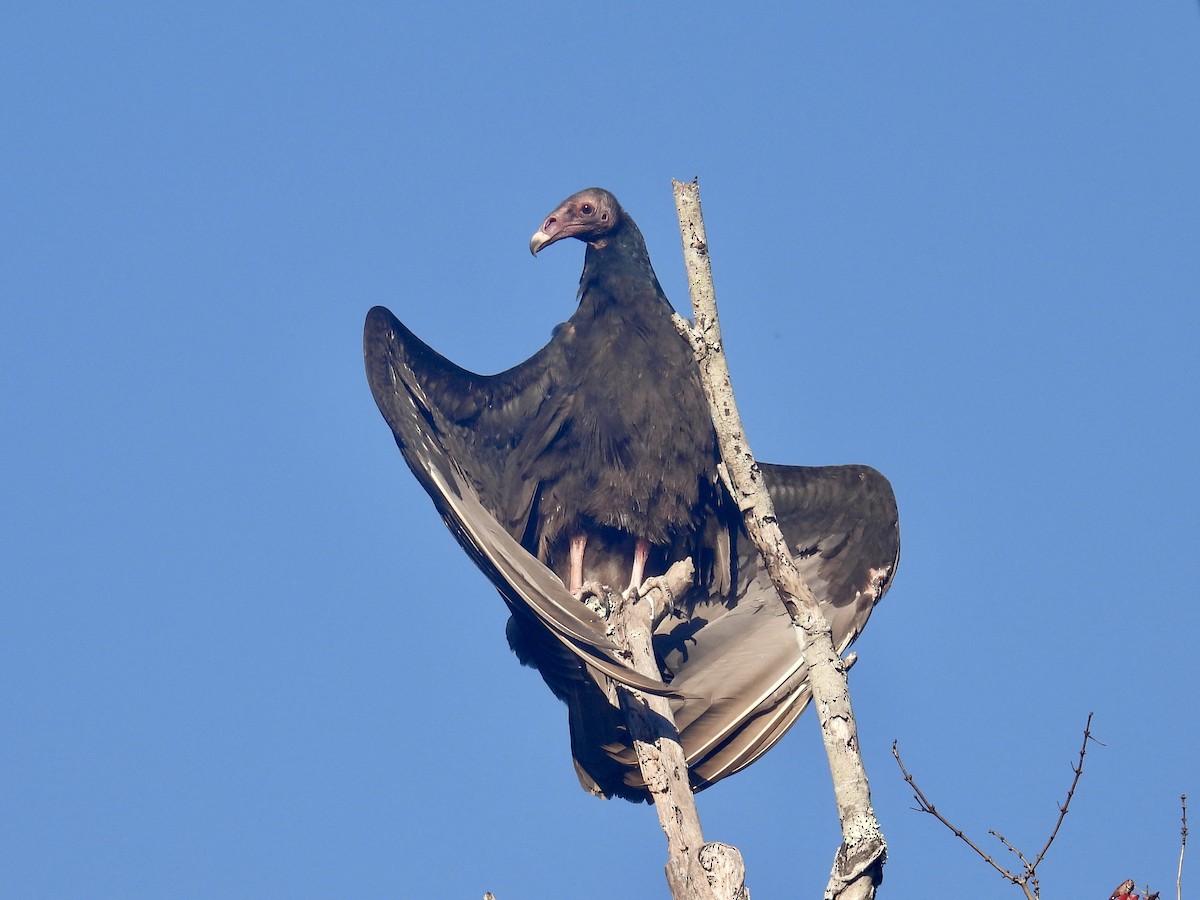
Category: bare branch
[695,870]
[1182,848]
[923,805]
[858,864]
[1027,880]
[1062,810]
[1011,849]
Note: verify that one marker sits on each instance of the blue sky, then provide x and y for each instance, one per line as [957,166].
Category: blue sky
[239,654]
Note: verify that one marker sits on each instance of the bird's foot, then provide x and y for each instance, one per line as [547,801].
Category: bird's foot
[653,591]
[660,591]
[595,596]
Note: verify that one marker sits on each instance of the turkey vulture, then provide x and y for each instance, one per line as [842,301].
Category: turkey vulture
[596,460]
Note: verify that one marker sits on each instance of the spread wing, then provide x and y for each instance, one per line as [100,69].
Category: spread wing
[842,526]
[737,663]
[455,430]
[490,425]
[737,679]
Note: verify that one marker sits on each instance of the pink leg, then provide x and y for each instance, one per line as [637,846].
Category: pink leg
[641,550]
[578,542]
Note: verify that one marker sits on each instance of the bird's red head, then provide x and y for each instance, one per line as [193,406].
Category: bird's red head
[589,215]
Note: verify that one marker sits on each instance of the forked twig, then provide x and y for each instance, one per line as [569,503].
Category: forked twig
[1027,879]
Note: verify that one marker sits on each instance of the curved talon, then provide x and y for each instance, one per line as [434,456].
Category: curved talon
[649,598]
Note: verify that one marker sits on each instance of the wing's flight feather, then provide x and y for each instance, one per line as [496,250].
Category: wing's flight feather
[420,429]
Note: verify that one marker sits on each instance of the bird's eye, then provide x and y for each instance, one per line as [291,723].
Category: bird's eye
[586,209]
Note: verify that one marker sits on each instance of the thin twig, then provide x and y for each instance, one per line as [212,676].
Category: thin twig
[1182,848]
[925,806]
[1062,810]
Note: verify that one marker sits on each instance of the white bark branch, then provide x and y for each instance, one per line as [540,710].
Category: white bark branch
[695,870]
[858,865]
